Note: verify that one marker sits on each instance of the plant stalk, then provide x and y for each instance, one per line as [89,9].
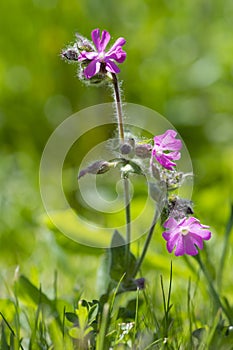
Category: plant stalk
[128,220]
[117,97]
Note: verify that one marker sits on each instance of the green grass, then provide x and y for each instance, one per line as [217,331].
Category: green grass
[158,317]
[179,62]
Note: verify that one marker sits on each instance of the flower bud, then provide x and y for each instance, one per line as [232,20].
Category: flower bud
[179,207]
[83,43]
[126,148]
[143,151]
[140,283]
[98,167]
[71,53]
[155,171]
[97,79]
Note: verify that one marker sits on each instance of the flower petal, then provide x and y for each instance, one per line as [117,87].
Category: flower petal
[116,51]
[170,223]
[118,55]
[195,227]
[197,240]
[95,34]
[104,40]
[111,66]
[189,244]
[100,42]
[118,43]
[166,149]
[167,141]
[84,55]
[92,69]
[165,161]
[180,247]
[187,235]
[172,242]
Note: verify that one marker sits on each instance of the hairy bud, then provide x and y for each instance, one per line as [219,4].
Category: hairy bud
[83,43]
[143,151]
[71,53]
[98,167]
[179,207]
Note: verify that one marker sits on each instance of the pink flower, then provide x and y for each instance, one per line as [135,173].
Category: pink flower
[186,235]
[166,149]
[100,59]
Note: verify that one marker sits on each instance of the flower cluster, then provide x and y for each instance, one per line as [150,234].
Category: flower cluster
[94,59]
[99,60]
[166,149]
[183,232]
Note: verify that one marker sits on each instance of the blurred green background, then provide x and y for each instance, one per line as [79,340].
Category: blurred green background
[179,63]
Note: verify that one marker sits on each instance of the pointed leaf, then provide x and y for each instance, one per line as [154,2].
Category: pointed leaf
[72,317]
[118,261]
[117,255]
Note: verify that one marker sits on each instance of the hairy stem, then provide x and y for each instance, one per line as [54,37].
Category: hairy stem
[117,97]
[128,219]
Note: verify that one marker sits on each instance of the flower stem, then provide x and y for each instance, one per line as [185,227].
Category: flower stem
[117,96]
[147,242]
[128,220]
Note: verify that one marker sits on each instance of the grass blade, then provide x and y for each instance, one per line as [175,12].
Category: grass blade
[225,248]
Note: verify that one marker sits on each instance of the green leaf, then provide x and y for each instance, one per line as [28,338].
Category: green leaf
[129,311]
[72,317]
[3,343]
[136,168]
[93,312]
[118,259]
[30,293]
[103,276]
[82,314]
[33,296]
